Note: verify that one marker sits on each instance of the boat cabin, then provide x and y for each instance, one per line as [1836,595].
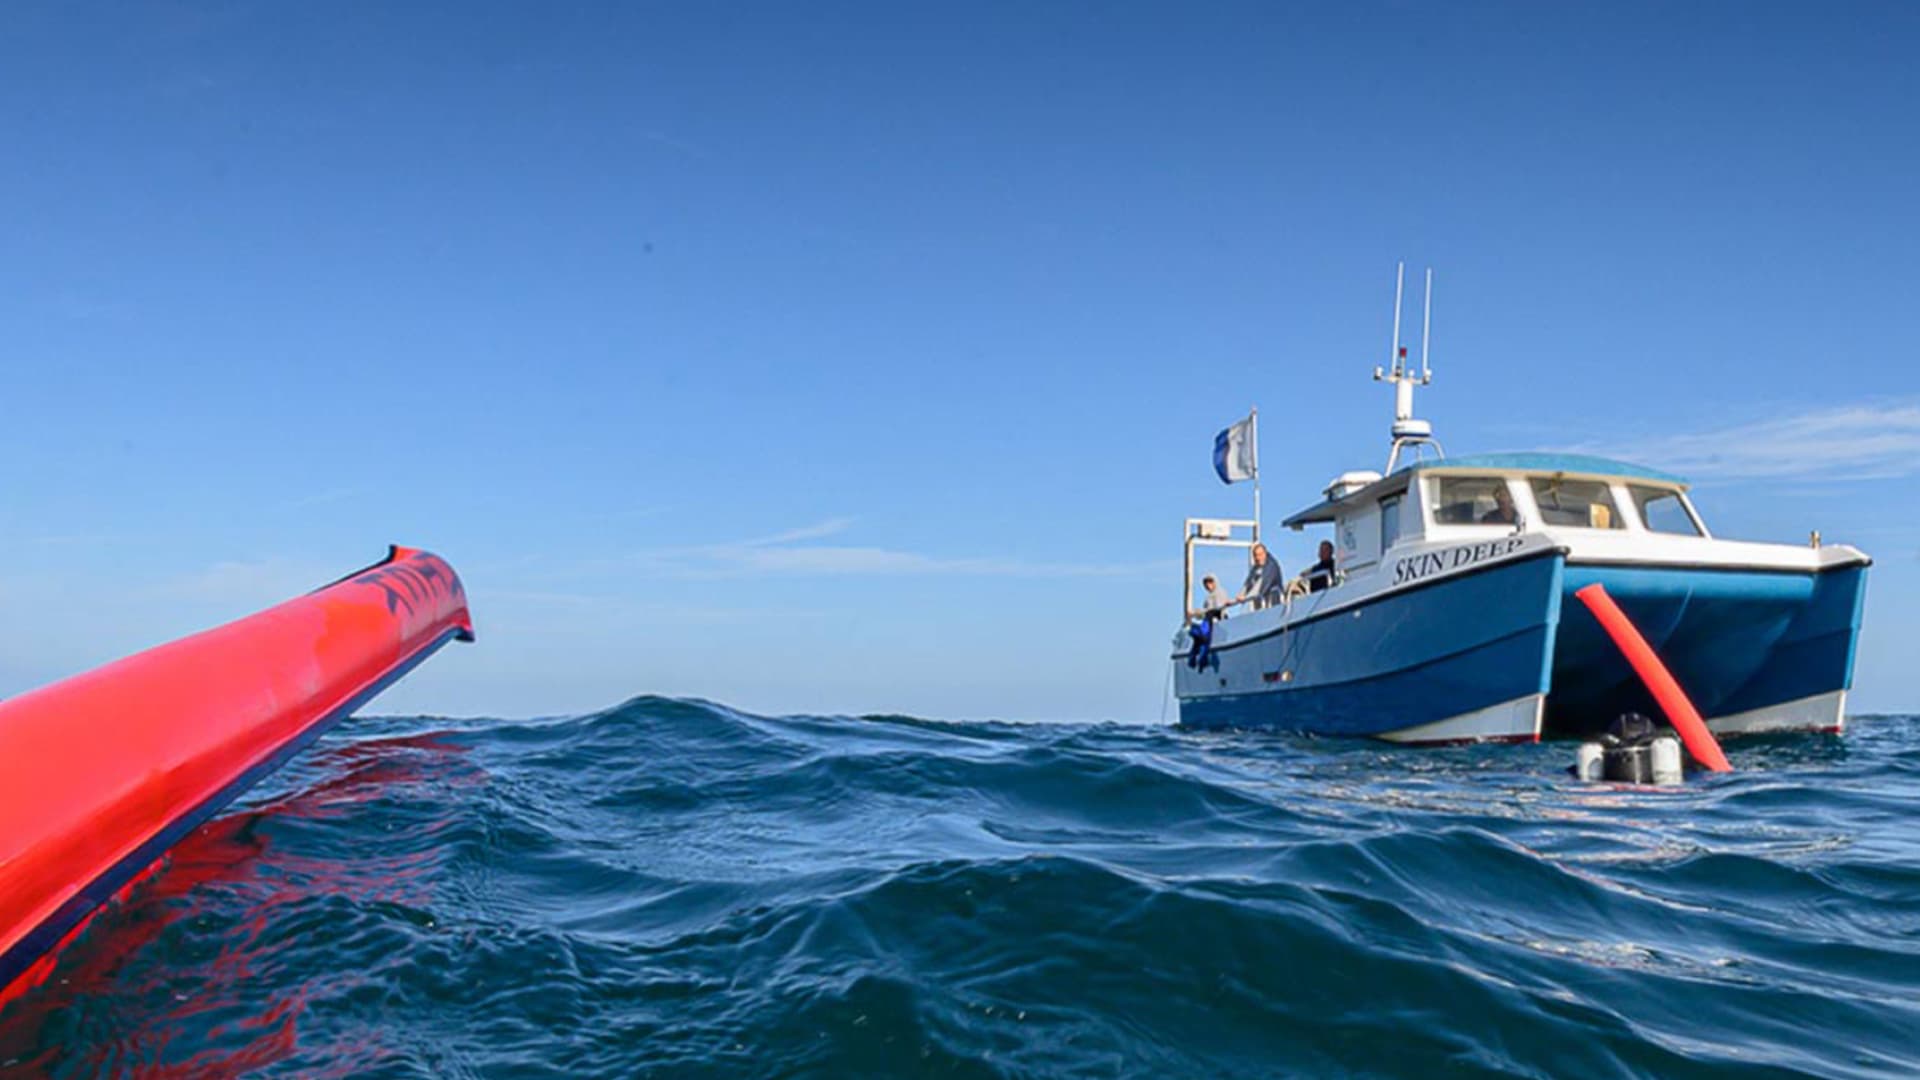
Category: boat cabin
[1475,497]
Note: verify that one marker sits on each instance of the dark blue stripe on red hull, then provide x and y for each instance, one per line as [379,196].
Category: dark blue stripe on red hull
[44,937]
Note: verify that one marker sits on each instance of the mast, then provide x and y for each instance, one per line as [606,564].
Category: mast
[1255,414]
[1408,432]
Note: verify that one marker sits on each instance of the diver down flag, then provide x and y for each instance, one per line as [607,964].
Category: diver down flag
[1233,453]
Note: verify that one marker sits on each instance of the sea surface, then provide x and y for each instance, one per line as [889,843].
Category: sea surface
[674,888]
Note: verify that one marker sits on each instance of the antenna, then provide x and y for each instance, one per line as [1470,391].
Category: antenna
[1426,326]
[1396,357]
[1409,433]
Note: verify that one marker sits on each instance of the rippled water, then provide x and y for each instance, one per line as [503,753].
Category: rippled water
[673,888]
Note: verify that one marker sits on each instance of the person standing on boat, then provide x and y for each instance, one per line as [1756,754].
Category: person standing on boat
[1216,601]
[1323,574]
[1263,580]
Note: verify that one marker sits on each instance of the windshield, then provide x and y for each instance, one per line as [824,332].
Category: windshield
[1473,500]
[1663,511]
[1583,504]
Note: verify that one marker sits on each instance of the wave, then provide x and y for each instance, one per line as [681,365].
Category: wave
[673,887]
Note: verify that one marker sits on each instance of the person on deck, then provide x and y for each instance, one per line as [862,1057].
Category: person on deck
[1263,580]
[1215,603]
[1502,512]
[1323,574]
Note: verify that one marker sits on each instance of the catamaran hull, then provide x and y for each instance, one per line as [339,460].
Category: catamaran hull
[1462,658]
[1501,654]
[1756,650]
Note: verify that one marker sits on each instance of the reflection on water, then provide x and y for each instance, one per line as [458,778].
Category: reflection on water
[199,959]
[672,887]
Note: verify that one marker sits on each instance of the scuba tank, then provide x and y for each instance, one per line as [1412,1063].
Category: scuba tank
[1633,751]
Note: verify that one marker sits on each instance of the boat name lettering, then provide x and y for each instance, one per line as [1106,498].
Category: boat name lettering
[1426,564]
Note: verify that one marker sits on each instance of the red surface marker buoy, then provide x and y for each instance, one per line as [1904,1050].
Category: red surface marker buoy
[101,773]
[1686,719]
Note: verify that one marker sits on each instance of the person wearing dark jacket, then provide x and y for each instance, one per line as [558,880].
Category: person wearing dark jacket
[1503,512]
[1323,574]
[1263,580]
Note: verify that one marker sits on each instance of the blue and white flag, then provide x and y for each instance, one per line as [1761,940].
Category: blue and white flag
[1234,457]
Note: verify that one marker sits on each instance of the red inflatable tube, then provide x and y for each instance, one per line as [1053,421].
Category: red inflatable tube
[101,773]
[1673,700]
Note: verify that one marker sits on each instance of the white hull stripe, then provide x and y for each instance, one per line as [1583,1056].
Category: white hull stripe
[1510,721]
[1820,712]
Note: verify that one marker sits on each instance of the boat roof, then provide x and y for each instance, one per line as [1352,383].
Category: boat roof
[1583,464]
[1577,464]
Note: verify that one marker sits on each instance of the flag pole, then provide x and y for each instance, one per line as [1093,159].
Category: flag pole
[1256,473]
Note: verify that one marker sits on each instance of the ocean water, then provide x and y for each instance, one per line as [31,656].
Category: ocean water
[673,888]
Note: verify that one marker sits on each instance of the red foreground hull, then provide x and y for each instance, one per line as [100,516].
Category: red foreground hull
[102,772]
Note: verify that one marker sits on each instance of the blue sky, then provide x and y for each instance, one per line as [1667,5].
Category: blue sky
[867,357]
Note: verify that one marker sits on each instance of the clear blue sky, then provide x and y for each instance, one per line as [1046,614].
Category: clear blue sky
[867,357]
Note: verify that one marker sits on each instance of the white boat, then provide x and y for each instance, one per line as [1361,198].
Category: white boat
[1453,618]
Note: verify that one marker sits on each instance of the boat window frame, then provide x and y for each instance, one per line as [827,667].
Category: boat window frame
[1625,489]
[1521,493]
[1608,486]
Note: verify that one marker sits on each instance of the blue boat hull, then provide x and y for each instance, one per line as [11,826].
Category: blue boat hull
[1737,641]
[1411,658]
[1740,642]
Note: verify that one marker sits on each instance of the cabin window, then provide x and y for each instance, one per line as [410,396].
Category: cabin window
[1583,504]
[1389,521]
[1473,500]
[1663,511]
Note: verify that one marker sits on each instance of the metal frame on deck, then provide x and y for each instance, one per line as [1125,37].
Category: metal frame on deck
[1211,532]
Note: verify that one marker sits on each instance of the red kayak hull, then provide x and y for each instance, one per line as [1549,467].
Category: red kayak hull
[101,773]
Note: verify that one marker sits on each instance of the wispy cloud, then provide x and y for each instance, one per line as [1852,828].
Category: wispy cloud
[674,142]
[86,307]
[256,582]
[1855,442]
[616,608]
[320,498]
[75,540]
[829,527]
[790,553]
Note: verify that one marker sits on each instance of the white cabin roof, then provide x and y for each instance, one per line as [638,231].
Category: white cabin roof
[1328,509]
